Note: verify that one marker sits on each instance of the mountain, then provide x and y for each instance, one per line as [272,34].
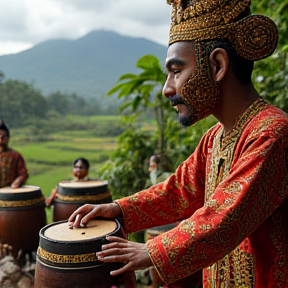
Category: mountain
[88,66]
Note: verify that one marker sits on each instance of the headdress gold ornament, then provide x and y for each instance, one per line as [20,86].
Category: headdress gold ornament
[254,37]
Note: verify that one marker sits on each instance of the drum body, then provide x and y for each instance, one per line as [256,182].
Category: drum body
[66,257]
[73,194]
[22,215]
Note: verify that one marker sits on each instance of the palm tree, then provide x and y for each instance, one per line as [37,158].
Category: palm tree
[145,90]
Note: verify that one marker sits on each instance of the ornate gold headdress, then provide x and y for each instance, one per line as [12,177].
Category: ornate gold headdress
[254,37]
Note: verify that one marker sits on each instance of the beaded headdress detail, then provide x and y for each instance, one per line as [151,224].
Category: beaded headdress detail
[254,37]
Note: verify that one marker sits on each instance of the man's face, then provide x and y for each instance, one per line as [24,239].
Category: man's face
[180,64]
[80,170]
[4,139]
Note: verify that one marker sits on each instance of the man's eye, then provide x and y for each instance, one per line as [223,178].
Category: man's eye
[176,72]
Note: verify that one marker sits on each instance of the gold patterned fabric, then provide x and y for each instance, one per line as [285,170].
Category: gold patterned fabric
[253,36]
[23,203]
[231,196]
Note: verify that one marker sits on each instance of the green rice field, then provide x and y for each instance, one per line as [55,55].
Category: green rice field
[51,161]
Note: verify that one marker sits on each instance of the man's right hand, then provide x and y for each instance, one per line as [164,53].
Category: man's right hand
[85,213]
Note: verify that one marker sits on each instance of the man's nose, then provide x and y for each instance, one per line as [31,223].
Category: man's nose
[169,88]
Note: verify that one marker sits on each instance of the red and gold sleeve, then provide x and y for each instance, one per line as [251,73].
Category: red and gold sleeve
[255,187]
[170,201]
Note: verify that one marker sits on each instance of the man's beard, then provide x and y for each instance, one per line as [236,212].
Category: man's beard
[201,91]
[185,120]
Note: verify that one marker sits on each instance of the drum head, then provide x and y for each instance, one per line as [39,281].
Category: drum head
[82,184]
[22,189]
[94,229]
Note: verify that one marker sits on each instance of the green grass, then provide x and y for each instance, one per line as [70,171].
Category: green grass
[49,162]
[95,119]
[63,152]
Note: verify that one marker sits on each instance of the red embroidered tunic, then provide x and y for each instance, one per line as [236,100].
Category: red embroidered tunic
[12,165]
[231,196]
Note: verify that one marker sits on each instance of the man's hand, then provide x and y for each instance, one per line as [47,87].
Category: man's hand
[49,200]
[134,255]
[17,182]
[85,213]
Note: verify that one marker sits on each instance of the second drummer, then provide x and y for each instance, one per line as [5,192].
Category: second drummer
[80,173]
[13,171]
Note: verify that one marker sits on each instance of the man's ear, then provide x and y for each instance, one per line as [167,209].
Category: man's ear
[219,63]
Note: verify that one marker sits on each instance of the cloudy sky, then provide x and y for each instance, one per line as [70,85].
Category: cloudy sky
[24,23]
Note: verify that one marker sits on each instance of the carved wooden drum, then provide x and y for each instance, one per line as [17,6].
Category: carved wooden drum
[71,195]
[22,215]
[66,257]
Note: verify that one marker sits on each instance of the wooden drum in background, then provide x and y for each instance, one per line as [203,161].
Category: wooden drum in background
[155,231]
[72,195]
[191,281]
[22,215]
[66,257]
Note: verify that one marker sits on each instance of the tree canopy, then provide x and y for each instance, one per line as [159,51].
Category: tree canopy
[271,75]
[21,104]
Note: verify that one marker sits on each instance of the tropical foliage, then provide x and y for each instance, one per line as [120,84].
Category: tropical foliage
[126,169]
[271,74]
[144,91]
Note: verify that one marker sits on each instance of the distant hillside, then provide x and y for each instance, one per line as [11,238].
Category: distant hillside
[88,66]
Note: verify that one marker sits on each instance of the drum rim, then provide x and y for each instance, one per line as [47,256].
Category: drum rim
[68,268]
[17,200]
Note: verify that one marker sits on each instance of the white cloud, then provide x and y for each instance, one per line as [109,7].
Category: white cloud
[25,23]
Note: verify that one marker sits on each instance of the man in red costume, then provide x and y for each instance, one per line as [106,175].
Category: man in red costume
[231,194]
[13,171]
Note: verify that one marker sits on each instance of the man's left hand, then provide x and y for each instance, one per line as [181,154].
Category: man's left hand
[134,255]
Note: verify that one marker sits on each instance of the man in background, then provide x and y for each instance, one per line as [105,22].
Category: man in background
[80,173]
[160,168]
[13,171]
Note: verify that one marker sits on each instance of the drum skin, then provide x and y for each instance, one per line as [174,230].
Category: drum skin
[72,195]
[22,215]
[72,263]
